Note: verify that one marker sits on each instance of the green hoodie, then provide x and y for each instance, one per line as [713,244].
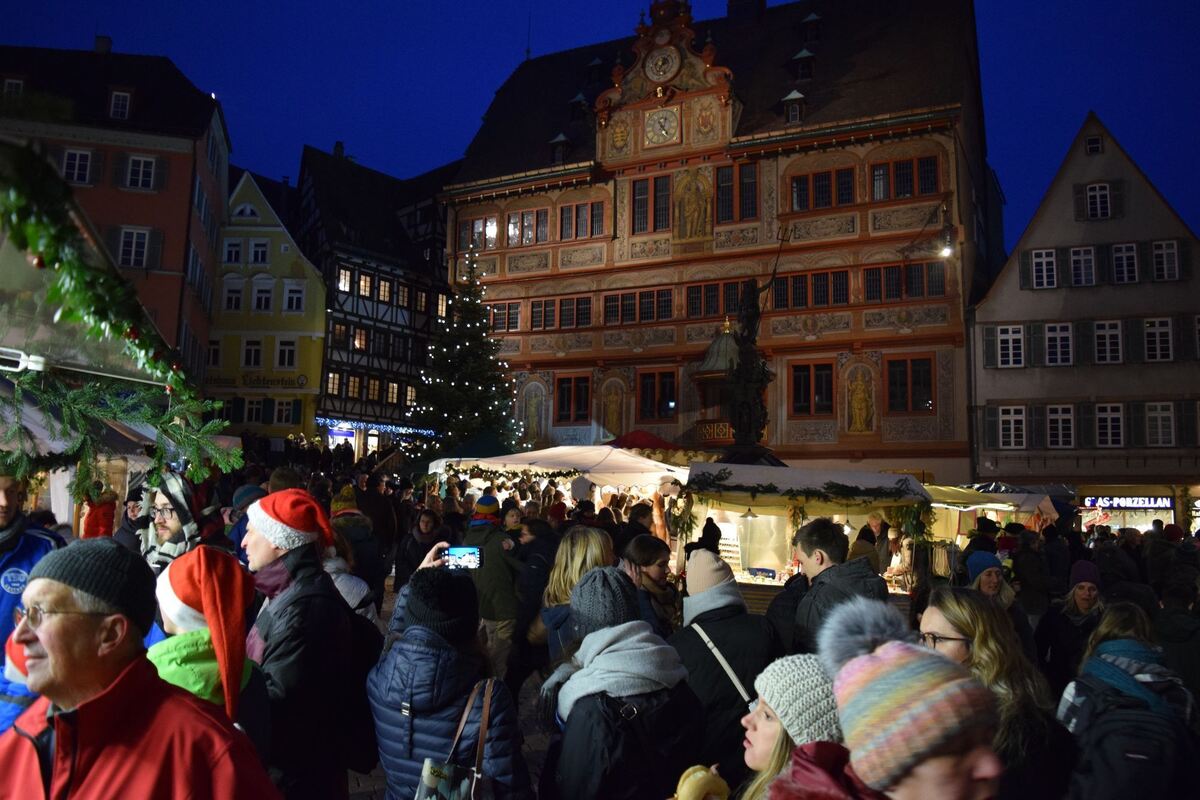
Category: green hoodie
[188,661]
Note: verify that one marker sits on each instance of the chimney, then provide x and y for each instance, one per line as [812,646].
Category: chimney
[745,10]
[339,149]
[103,44]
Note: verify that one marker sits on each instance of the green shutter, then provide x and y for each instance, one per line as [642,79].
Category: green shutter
[112,239]
[1116,198]
[1135,417]
[154,248]
[989,345]
[1183,337]
[1079,193]
[96,173]
[268,411]
[1082,338]
[1035,344]
[1103,264]
[298,412]
[1133,344]
[1185,420]
[1062,260]
[991,427]
[161,166]
[1085,425]
[1185,264]
[120,169]
[1145,261]
[1026,269]
[238,413]
[1035,427]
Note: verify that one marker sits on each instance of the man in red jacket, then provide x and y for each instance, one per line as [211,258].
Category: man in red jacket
[106,724]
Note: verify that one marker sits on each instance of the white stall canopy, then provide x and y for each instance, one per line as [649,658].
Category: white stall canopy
[819,491]
[603,465]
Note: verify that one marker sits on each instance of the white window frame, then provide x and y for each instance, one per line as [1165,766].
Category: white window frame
[248,346]
[1010,346]
[134,236]
[410,396]
[333,383]
[358,333]
[1093,145]
[283,346]
[283,412]
[1107,328]
[260,247]
[1012,428]
[139,174]
[234,247]
[1060,427]
[1083,266]
[1157,338]
[1160,424]
[13,88]
[366,285]
[214,353]
[254,409]
[1110,425]
[1166,260]
[1045,269]
[393,392]
[262,291]
[74,172]
[443,306]
[1060,344]
[1125,262]
[1099,201]
[293,290]
[233,290]
[114,107]
[345,279]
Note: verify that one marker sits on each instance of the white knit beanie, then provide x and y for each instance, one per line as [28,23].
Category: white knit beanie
[800,693]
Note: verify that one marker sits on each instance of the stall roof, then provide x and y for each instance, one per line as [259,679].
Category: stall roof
[604,465]
[820,491]
[969,499]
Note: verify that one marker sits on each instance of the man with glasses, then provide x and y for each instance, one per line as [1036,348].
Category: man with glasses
[106,724]
[21,547]
[178,523]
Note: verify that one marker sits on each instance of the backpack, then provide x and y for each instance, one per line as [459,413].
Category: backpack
[1128,750]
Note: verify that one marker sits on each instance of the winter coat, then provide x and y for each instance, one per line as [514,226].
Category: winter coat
[749,644]
[417,693]
[537,559]
[781,612]
[101,516]
[496,580]
[187,660]
[379,510]
[1178,633]
[980,542]
[1058,562]
[1031,569]
[1133,669]
[627,533]
[370,562]
[303,645]
[140,737]
[556,623]
[821,771]
[1061,638]
[832,587]
[127,533]
[1020,620]
[353,589]
[410,552]
[1041,770]
[864,549]
[21,547]
[659,607]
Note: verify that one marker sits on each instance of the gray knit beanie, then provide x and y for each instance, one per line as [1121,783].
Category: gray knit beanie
[800,693]
[604,597]
[107,571]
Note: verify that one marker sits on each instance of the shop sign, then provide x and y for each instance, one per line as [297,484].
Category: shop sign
[1128,503]
[258,381]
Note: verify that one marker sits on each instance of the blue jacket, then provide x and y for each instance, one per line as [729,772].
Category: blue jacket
[417,693]
[559,636]
[16,562]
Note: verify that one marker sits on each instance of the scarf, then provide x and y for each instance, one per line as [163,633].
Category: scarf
[14,529]
[621,661]
[720,596]
[1137,670]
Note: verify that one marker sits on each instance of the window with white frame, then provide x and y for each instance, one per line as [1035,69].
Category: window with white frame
[233,296]
[1010,344]
[254,409]
[1110,425]
[118,105]
[333,383]
[252,353]
[13,88]
[345,279]
[141,173]
[403,295]
[1166,261]
[283,413]
[1045,270]
[1060,427]
[233,251]
[294,298]
[393,392]
[77,166]
[443,304]
[1083,266]
[1125,266]
[134,244]
[1158,339]
[354,386]
[361,339]
[1160,424]
[410,396]
[285,354]
[262,297]
[1012,427]
[1098,206]
[260,251]
[1108,342]
[214,352]
[1094,145]
[364,284]
[1058,344]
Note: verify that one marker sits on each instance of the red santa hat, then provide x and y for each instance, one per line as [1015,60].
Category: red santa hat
[209,588]
[291,518]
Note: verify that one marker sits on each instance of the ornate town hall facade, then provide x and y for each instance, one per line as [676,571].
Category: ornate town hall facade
[618,196]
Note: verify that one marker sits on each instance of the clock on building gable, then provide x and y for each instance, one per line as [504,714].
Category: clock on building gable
[661,126]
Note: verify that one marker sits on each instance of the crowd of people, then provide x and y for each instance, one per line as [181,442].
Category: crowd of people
[227,640]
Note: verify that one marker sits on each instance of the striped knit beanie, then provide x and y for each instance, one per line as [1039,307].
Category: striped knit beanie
[899,703]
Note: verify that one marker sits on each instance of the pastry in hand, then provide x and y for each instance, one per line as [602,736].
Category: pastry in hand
[701,783]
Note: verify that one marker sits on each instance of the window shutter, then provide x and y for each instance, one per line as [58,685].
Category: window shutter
[1185,266]
[154,249]
[112,239]
[1062,258]
[1035,428]
[160,173]
[1135,418]
[1116,199]
[1183,337]
[1035,344]
[1082,335]
[1185,420]
[1080,201]
[1085,428]
[96,170]
[989,345]
[238,410]
[120,169]
[57,156]
[991,427]
[297,411]
[1103,264]
[1145,262]
[1026,269]
[268,411]
[1133,345]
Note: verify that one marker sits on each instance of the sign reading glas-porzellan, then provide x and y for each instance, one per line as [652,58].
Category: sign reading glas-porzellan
[1121,503]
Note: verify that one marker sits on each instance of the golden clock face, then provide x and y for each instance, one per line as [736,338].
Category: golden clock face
[662,126]
[662,63]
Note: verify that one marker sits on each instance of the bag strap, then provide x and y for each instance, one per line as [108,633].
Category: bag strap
[462,721]
[737,684]
[483,727]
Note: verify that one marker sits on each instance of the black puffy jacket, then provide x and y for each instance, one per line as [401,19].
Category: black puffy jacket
[418,691]
[781,613]
[828,590]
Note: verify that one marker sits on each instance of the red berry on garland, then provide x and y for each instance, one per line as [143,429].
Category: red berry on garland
[176,366]
[132,333]
[39,262]
[169,389]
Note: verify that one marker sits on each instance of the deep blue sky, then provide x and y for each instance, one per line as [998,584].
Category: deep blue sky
[405,83]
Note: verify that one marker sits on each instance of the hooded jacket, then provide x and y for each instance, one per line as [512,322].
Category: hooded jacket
[557,622]
[496,579]
[353,589]
[417,693]
[832,587]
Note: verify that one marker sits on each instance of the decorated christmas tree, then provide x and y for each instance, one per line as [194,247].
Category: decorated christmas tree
[464,394]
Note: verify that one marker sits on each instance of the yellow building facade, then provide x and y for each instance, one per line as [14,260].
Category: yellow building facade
[267,340]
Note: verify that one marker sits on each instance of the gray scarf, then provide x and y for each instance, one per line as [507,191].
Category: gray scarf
[720,596]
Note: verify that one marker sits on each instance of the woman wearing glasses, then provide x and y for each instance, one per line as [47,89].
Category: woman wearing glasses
[1038,753]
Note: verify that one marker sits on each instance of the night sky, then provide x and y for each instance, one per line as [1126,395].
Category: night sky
[405,83]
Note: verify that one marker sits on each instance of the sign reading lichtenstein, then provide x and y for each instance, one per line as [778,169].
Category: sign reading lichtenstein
[1128,503]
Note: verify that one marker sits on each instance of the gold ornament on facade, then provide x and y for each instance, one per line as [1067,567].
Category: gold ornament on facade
[861,407]
[693,206]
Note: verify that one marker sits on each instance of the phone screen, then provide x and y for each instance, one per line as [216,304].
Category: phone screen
[463,558]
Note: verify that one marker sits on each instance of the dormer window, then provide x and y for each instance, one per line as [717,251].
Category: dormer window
[13,88]
[1093,145]
[793,107]
[578,107]
[558,148]
[118,105]
[246,211]
[595,71]
[810,28]
[802,64]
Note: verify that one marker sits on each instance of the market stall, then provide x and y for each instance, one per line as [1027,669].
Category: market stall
[958,510]
[603,465]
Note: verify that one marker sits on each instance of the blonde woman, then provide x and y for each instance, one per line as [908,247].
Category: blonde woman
[987,577]
[1036,751]
[581,549]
